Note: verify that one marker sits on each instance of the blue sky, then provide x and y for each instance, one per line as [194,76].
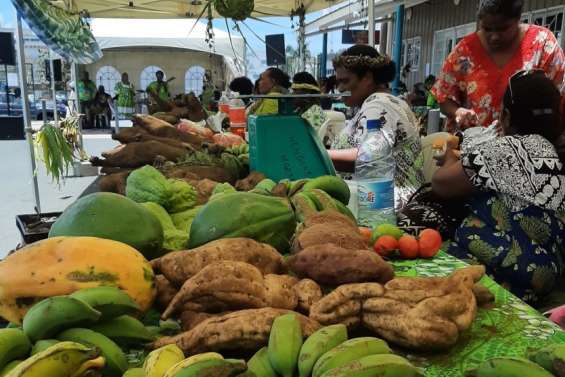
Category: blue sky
[282,26]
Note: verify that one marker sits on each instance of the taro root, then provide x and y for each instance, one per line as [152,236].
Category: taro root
[328,264]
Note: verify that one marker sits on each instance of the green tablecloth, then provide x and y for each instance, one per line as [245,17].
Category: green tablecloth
[508,329]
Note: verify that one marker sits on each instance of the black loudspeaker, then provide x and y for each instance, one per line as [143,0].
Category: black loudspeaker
[12,128]
[7,51]
[58,70]
[275,49]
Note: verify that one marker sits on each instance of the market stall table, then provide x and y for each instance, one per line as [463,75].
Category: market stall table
[508,328]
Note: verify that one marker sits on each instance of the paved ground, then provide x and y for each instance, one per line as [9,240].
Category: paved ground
[16,195]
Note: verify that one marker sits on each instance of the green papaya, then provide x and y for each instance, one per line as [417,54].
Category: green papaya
[114,217]
[243,214]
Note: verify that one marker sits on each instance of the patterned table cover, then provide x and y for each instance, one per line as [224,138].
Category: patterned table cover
[510,328]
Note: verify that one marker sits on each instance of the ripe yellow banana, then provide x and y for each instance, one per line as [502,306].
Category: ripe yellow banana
[317,344]
[42,345]
[508,367]
[65,359]
[285,341]
[376,365]
[14,344]
[349,351]
[134,372]
[160,360]
[52,315]
[172,371]
[260,365]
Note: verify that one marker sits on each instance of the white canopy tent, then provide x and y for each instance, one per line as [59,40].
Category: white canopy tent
[174,33]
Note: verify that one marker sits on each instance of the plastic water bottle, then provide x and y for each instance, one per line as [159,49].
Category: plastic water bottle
[224,103]
[374,173]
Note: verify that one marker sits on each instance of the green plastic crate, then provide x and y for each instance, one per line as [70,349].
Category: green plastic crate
[286,147]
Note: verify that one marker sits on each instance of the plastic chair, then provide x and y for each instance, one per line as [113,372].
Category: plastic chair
[430,166]
[331,128]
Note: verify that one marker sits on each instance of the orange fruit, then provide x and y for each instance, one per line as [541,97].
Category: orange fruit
[430,243]
[385,245]
[365,233]
[409,247]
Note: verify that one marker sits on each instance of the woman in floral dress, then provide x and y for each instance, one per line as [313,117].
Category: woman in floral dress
[515,186]
[474,77]
[125,97]
[308,108]
[363,72]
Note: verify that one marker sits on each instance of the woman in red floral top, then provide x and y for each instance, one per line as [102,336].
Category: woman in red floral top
[475,75]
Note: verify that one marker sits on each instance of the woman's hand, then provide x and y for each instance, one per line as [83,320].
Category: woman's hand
[466,118]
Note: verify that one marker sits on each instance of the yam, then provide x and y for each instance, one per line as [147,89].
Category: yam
[308,292]
[221,286]
[179,266]
[328,264]
[249,182]
[165,291]
[189,319]
[244,330]
[279,292]
[329,233]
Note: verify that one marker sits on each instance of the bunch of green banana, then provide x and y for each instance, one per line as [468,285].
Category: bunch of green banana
[116,362]
[124,330]
[52,315]
[42,345]
[376,365]
[65,359]
[110,301]
[264,187]
[551,358]
[172,371]
[213,367]
[508,367]
[285,341]
[160,360]
[240,149]
[349,351]
[318,344]
[314,200]
[334,186]
[260,365]
[14,344]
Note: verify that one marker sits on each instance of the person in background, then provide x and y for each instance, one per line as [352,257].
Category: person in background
[86,92]
[243,86]
[125,97]
[418,96]
[272,81]
[327,86]
[475,75]
[102,105]
[365,73]
[207,96]
[158,92]
[308,108]
[431,101]
[514,185]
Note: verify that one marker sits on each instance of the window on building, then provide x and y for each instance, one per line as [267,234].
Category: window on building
[194,80]
[445,41]
[551,19]
[411,53]
[108,77]
[147,76]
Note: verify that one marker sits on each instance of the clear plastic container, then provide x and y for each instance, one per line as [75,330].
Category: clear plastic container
[374,173]
[224,103]
[238,119]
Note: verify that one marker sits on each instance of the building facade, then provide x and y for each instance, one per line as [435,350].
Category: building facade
[432,29]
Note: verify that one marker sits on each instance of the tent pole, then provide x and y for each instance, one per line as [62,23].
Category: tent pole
[324,62]
[74,79]
[302,40]
[53,90]
[22,76]
[371,21]
[397,53]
